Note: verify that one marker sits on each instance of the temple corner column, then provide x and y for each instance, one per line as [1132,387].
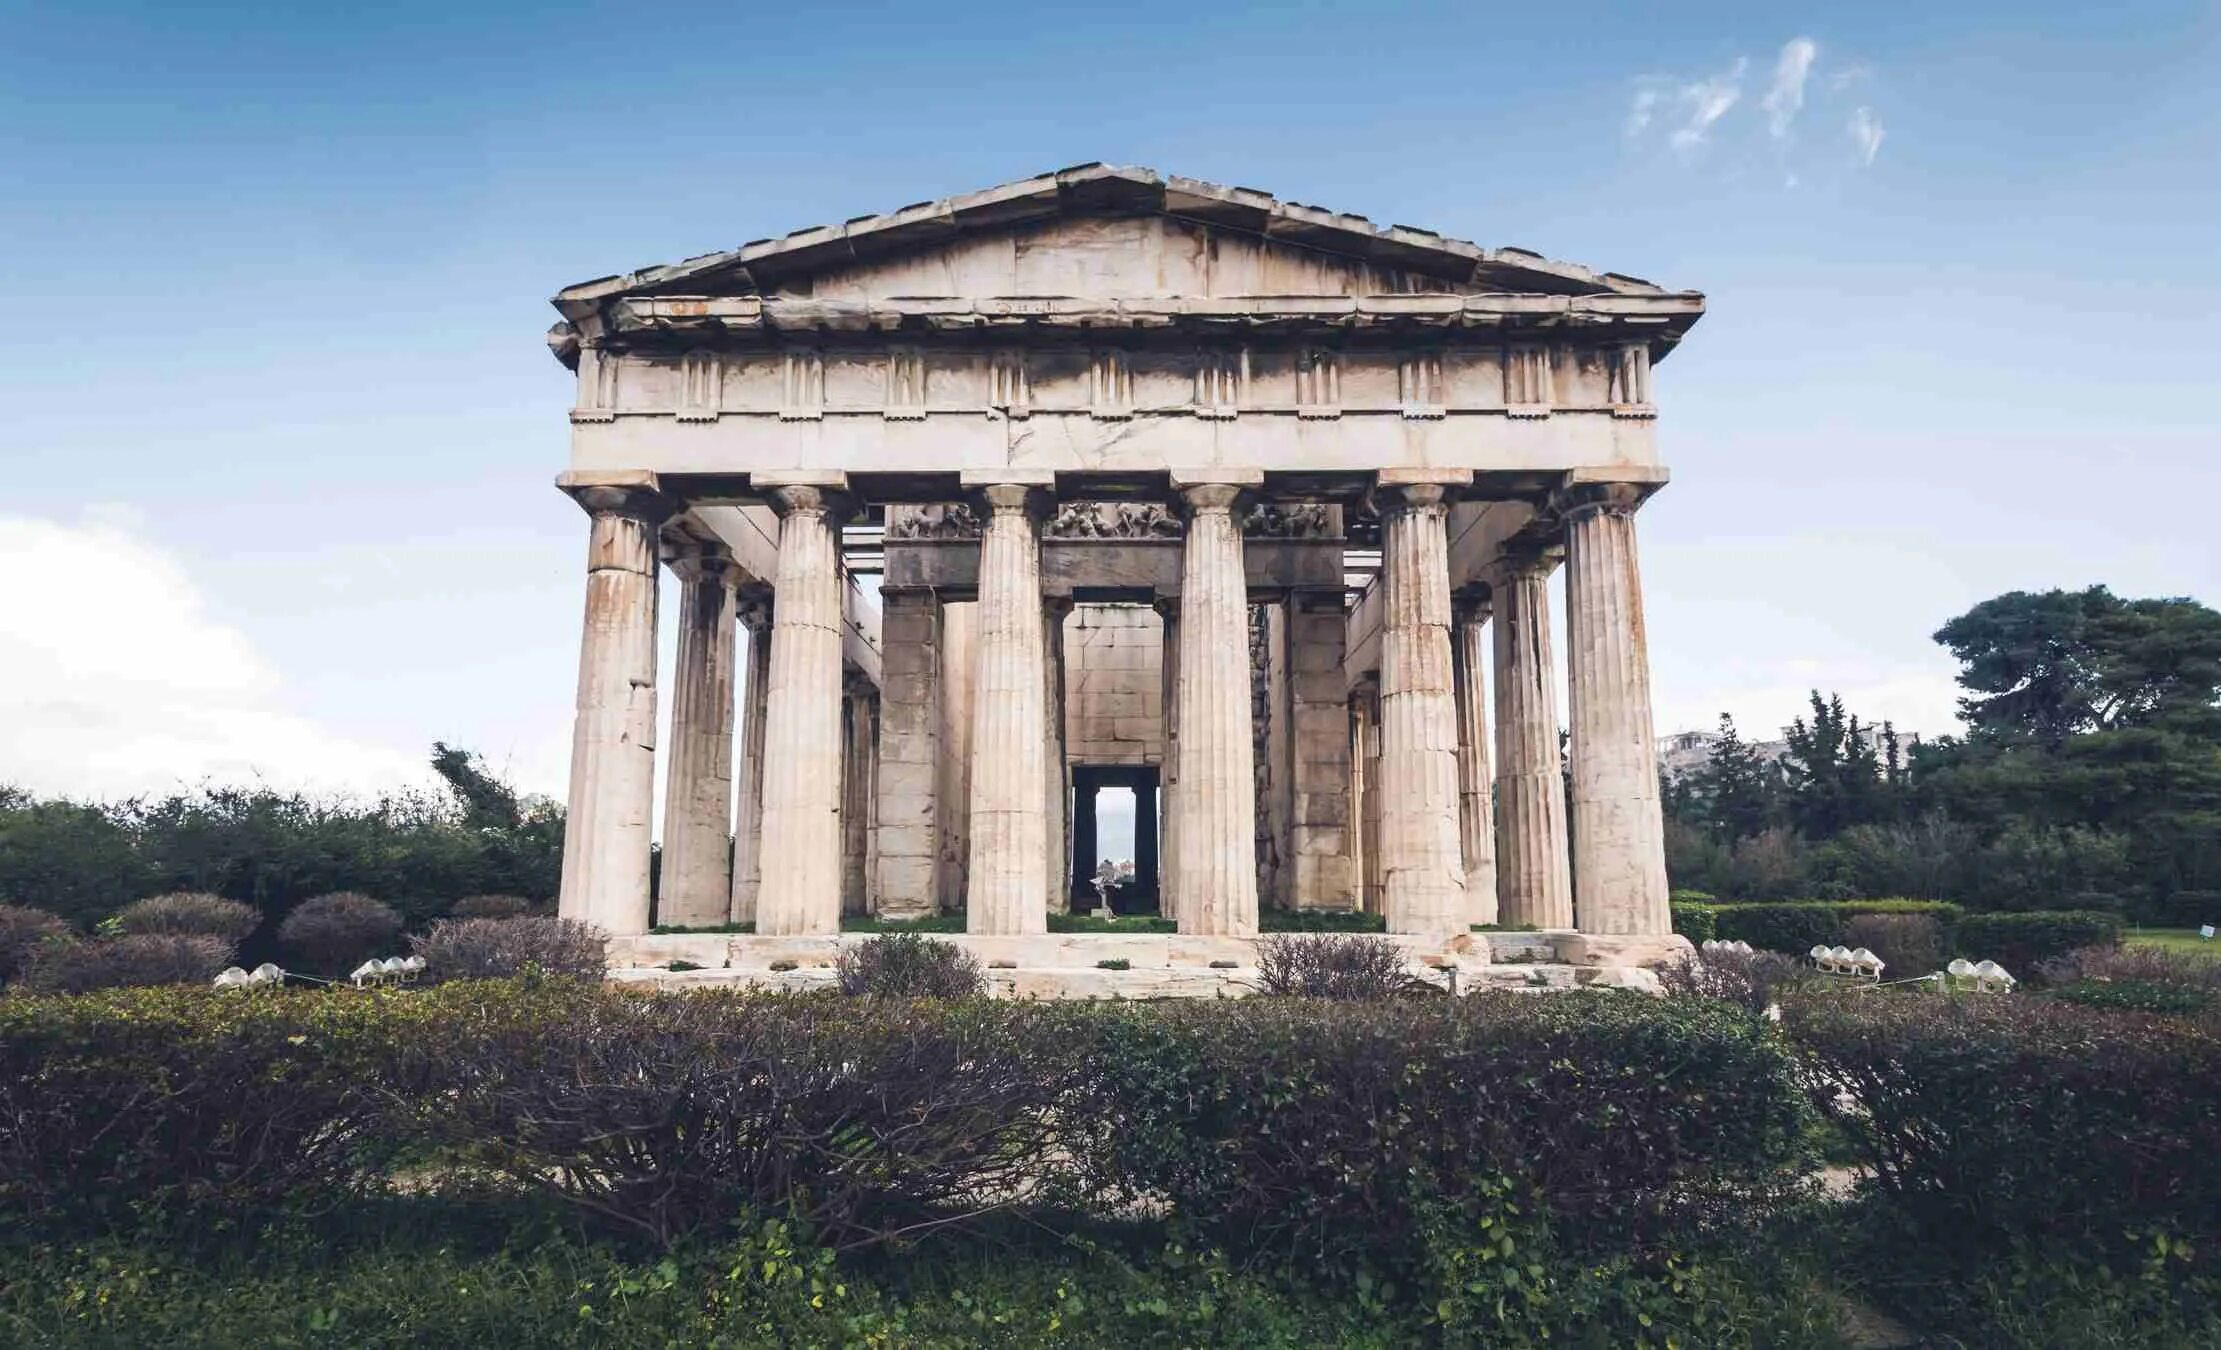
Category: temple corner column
[611,802]
[1620,896]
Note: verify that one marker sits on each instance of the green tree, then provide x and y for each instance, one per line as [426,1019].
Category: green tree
[1835,775]
[1739,789]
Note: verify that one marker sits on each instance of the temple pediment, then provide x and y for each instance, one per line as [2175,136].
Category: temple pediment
[1101,232]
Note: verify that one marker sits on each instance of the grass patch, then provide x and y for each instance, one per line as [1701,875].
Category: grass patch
[2173,940]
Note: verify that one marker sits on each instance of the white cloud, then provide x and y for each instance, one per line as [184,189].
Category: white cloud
[1866,133]
[118,681]
[1705,102]
[1787,92]
[1641,110]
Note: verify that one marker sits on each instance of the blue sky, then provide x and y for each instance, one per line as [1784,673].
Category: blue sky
[279,430]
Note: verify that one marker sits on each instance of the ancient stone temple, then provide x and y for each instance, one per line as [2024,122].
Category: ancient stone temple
[1167,487]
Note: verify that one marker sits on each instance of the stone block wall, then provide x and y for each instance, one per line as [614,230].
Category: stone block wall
[1114,687]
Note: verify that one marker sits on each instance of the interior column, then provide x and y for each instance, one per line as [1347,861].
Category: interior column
[1321,839]
[755,619]
[1009,890]
[612,790]
[903,880]
[1421,852]
[802,732]
[1619,864]
[1216,801]
[697,877]
[1056,785]
[1476,790]
[1533,883]
[1168,844]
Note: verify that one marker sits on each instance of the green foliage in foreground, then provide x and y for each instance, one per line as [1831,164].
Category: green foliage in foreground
[434,1270]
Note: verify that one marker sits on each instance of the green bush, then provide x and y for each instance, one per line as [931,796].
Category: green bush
[1345,1135]
[1696,920]
[1993,1119]
[133,961]
[908,965]
[490,907]
[1909,944]
[2147,996]
[2020,942]
[2188,909]
[333,933]
[1319,921]
[490,949]
[1327,965]
[22,932]
[1795,927]
[189,914]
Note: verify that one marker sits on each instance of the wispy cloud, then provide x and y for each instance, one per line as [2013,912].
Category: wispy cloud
[1641,111]
[1704,102]
[1866,133]
[1787,92]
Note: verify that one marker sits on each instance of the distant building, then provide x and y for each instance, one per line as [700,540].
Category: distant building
[1687,751]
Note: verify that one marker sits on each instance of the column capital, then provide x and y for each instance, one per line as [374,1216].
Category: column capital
[1617,491]
[755,608]
[1525,557]
[1195,499]
[833,503]
[1056,607]
[635,493]
[693,559]
[1396,490]
[1472,602]
[1034,500]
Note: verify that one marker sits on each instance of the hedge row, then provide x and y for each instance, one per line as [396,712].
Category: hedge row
[2018,941]
[2004,1119]
[1300,1127]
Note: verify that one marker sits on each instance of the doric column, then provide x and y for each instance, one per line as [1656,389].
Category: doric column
[802,721]
[1216,798]
[1476,786]
[1056,784]
[1365,790]
[1421,853]
[697,878]
[1168,772]
[903,884]
[612,794]
[859,717]
[1619,864]
[755,618]
[1532,882]
[1009,827]
[1322,839]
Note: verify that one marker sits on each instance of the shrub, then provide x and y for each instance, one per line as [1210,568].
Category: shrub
[144,1096]
[23,931]
[2021,942]
[1797,927]
[1318,965]
[906,965]
[2000,1118]
[1320,921]
[1907,943]
[2145,996]
[2189,909]
[134,960]
[2154,965]
[669,1113]
[486,949]
[1696,920]
[490,907]
[1748,981]
[189,914]
[335,932]
[1342,1134]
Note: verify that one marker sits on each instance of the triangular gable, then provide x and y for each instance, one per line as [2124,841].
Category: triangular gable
[843,257]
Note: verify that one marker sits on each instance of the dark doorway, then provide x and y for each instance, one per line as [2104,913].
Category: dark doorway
[1138,894]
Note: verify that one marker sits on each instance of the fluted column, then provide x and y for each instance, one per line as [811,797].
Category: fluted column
[697,880]
[612,792]
[1009,827]
[1533,885]
[1056,774]
[1168,772]
[1476,790]
[1619,864]
[1216,798]
[907,816]
[755,618]
[1421,853]
[801,888]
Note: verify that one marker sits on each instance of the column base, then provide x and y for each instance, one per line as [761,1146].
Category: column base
[1622,949]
